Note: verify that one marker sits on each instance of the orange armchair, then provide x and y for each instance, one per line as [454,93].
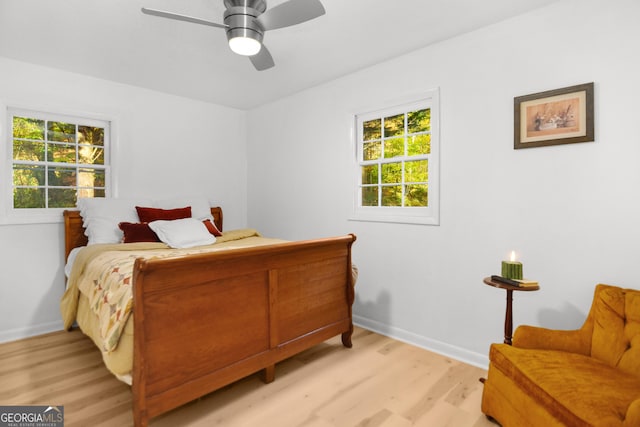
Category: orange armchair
[585,377]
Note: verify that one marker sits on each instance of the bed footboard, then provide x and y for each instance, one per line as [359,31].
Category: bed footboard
[208,320]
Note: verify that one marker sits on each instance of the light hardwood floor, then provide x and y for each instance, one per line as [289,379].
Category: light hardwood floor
[378,382]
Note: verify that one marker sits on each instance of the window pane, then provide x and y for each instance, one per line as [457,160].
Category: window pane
[28,128]
[371,130]
[90,135]
[91,192]
[370,174]
[419,144]
[391,173]
[62,197]
[371,150]
[392,195]
[91,178]
[62,177]
[90,155]
[61,153]
[25,198]
[419,121]
[393,147]
[416,171]
[28,175]
[369,196]
[416,195]
[28,150]
[394,125]
[61,132]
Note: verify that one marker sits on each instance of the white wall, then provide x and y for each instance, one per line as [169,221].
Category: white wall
[570,211]
[166,146]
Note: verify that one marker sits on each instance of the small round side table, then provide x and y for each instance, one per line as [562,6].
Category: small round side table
[508,316]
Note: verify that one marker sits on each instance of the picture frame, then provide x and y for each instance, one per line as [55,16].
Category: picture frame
[553,117]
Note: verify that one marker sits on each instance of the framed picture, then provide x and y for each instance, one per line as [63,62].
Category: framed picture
[560,116]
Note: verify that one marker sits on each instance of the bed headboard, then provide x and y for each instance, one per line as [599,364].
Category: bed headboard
[74,231]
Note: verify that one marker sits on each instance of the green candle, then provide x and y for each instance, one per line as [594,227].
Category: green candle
[512,269]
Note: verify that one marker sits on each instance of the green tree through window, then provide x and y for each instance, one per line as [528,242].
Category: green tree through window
[395,165]
[56,159]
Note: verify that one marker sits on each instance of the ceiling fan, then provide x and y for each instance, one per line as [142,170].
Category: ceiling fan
[245,22]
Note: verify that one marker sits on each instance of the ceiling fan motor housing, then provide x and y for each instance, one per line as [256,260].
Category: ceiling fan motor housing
[240,18]
[259,5]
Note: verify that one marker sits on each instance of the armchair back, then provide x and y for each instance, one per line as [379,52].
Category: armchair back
[616,328]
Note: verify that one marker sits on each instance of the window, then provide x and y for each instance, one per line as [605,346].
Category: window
[55,159]
[397,163]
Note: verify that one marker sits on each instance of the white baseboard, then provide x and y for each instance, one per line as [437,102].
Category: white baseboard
[458,353]
[30,331]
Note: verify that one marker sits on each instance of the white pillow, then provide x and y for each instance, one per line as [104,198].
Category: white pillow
[200,207]
[101,216]
[182,233]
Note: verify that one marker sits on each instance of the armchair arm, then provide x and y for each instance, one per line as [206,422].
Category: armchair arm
[573,341]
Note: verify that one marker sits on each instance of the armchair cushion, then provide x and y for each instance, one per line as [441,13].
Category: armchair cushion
[575,389]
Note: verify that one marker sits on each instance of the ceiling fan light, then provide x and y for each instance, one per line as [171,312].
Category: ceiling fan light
[245,46]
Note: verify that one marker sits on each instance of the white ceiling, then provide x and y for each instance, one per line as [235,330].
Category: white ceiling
[113,40]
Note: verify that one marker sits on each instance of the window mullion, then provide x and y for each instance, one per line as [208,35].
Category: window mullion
[46,166]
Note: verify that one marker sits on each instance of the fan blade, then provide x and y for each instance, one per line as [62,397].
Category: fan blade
[262,60]
[290,13]
[179,17]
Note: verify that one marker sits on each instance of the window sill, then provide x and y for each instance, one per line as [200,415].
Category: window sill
[395,218]
[32,218]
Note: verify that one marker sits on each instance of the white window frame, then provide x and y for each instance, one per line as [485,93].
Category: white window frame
[10,215]
[429,215]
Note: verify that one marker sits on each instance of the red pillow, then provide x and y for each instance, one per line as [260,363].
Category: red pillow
[212,227]
[137,232]
[155,214]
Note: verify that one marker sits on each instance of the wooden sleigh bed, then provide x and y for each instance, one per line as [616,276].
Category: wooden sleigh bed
[203,321]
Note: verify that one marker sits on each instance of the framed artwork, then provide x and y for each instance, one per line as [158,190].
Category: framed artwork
[560,116]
